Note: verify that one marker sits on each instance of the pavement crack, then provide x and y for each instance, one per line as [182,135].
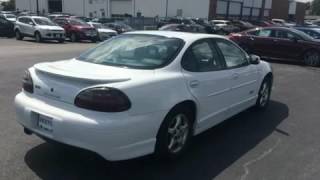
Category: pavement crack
[246,166]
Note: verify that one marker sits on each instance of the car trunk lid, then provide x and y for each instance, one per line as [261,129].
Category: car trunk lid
[63,80]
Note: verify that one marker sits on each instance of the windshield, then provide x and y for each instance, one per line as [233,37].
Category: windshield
[135,51]
[303,35]
[43,21]
[77,22]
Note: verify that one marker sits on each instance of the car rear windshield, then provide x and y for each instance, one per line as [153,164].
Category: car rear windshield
[135,51]
[77,22]
[45,22]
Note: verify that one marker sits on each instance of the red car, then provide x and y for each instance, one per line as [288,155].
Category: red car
[280,43]
[77,29]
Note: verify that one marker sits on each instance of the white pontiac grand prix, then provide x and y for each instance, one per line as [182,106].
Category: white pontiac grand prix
[142,93]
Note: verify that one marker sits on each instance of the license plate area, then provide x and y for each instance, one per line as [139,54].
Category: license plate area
[44,123]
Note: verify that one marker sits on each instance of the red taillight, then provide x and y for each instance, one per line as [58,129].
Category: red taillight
[103,99]
[27,82]
[234,36]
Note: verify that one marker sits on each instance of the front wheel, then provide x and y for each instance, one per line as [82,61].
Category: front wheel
[174,134]
[61,40]
[312,58]
[38,37]
[264,94]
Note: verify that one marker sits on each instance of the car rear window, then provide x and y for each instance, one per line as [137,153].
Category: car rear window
[135,51]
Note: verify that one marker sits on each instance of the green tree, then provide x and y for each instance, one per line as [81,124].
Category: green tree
[9,6]
[316,7]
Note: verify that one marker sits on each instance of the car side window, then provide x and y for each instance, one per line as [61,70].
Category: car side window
[285,35]
[264,33]
[202,56]
[232,54]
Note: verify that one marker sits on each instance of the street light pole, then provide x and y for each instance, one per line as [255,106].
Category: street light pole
[38,12]
[167,6]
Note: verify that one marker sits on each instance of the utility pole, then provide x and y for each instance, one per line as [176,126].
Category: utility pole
[261,15]
[38,12]
[167,6]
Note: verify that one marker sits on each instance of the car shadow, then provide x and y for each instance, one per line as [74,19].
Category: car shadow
[210,154]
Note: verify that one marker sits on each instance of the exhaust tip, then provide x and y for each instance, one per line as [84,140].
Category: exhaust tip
[27,131]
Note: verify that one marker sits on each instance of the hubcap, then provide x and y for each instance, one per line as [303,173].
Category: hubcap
[264,94]
[38,38]
[312,59]
[178,132]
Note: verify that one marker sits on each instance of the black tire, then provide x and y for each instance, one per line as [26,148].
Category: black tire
[165,138]
[264,94]
[61,40]
[19,35]
[73,37]
[38,37]
[94,40]
[312,58]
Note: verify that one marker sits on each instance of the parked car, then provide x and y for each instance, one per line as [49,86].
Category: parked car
[77,29]
[281,22]
[280,43]
[242,25]
[174,20]
[104,33]
[6,28]
[54,16]
[119,27]
[225,26]
[209,28]
[262,23]
[40,28]
[313,32]
[85,19]
[104,104]
[185,28]
[9,17]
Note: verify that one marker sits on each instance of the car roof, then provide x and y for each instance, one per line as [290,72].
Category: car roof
[33,17]
[174,34]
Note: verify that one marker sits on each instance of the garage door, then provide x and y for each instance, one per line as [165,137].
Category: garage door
[121,7]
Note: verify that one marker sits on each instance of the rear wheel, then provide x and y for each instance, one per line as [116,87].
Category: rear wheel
[94,40]
[175,133]
[61,40]
[312,58]
[38,37]
[18,35]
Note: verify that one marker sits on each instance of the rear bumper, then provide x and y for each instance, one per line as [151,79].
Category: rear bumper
[118,136]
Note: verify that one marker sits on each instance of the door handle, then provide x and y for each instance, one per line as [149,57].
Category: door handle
[235,76]
[194,84]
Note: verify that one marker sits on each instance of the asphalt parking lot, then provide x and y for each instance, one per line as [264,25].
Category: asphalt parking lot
[281,143]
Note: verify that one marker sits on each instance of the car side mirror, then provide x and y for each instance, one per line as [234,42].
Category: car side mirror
[254,59]
[31,23]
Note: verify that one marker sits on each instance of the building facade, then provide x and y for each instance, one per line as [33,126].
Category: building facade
[212,9]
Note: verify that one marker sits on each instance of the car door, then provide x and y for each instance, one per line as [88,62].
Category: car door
[207,81]
[243,77]
[260,42]
[287,45]
[28,27]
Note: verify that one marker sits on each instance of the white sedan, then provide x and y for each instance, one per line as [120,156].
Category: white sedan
[142,93]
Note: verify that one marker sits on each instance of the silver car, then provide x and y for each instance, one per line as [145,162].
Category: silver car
[40,28]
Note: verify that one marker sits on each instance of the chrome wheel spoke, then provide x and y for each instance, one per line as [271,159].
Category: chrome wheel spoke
[178,133]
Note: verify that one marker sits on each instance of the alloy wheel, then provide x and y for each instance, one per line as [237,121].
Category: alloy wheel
[312,59]
[264,94]
[178,133]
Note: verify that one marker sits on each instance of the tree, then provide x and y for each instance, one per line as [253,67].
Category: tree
[9,6]
[316,7]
